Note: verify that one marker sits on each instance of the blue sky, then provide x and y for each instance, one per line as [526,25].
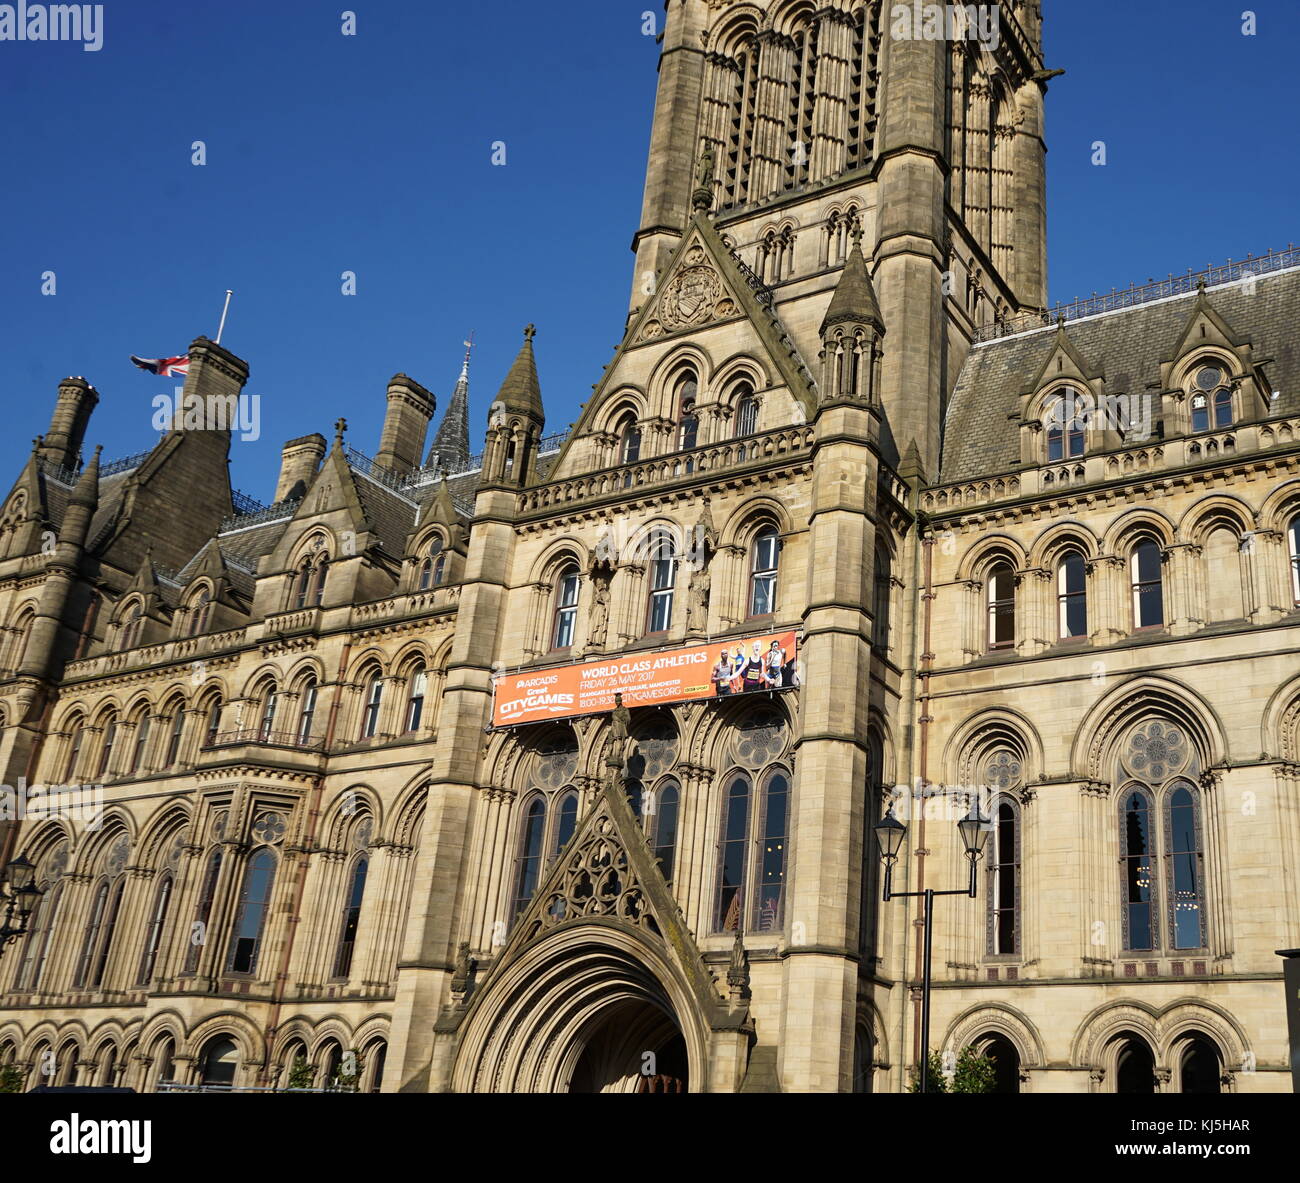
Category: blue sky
[373,154]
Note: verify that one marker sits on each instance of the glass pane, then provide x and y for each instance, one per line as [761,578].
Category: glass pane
[1139,872]
[568,822]
[666,831]
[732,875]
[252,913]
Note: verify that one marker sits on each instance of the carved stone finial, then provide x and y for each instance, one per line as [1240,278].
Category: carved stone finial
[530,332]
[340,427]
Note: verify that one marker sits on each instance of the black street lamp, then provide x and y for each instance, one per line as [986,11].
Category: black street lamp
[19,891]
[889,835]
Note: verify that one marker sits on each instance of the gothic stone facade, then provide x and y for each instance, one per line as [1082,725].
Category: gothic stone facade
[837,411]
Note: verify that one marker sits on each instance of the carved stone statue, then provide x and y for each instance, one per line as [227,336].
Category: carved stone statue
[697,603]
[704,171]
[599,625]
[620,718]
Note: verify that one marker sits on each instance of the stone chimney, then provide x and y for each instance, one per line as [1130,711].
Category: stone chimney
[62,443]
[410,407]
[299,463]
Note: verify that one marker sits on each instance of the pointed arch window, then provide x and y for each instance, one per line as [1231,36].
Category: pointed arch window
[153,935]
[566,822]
[198,934]
[308,695]
[416,699]
[1001,593]
[1138,862]
[746,422]
[1072,596]
[250,916]
[266,724]
[566,608]
[98,941]
[1147,580]
[351,917]
[318,585]
[663,583]
[1066,433]
[1185,857]
[131,628]
[765,558]
[772,854]
[629,440]
[883,599]
[734,848]
[1004,881]
[106,749]
[688,422]
[213,726]
[662,826]
[37,950]
[1212,399]
[175,733]
[373,705]
[528,863]
[141,745]
[434,565]
[22,635]
[1293,539]
[75,741]
[302,584]
[200,610]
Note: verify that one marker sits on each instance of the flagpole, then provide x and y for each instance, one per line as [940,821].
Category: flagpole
[225,310]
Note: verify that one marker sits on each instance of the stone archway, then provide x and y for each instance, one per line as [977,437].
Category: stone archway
[591,1008]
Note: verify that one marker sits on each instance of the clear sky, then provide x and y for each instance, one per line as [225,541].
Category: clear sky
[373,154]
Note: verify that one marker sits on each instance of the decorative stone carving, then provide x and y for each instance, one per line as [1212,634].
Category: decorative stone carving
[691,297]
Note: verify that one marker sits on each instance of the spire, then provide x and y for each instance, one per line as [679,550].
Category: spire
[450,450]
[521,391]
[855,297]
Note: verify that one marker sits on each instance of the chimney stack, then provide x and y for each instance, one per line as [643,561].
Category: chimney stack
[62,443]
[299,463]
[410,407]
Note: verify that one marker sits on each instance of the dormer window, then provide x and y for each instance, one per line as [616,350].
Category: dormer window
[1212,400]
[434,566]
[1066,435]
[200,610]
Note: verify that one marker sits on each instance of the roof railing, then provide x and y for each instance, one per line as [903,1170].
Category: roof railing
[1233,271]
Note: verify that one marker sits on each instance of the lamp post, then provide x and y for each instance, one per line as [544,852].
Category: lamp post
[19,892]
[889,835]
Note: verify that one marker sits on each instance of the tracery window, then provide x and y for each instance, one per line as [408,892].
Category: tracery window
[175,733]
[529,862]
[97,939]
[154,932]
[266,723]
[131,627]
[106,749]
[661,827]
[751,876]
[141,744]
[1161,827]
[308,692]
[1072,596]
[200,611]
[76,739]
[629,440]
[213,724]
[1066,430]
[1211,399]
[434,567]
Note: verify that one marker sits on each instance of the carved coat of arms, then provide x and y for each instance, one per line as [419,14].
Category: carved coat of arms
[691,297]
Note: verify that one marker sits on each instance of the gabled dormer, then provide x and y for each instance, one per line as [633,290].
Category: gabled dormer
[435,551]
[1211,380]
[1066,413]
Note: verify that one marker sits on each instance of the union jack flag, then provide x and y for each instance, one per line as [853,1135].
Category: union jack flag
[164,367]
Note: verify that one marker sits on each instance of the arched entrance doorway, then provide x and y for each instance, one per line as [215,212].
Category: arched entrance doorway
[592,1009]
[1199,1069]
[632,1047]
[1135,1067]
[1006,1064]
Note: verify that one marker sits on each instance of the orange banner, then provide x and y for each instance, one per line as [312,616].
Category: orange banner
[746,666]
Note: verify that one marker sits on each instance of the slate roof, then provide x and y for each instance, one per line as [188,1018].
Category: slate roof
[1127,349]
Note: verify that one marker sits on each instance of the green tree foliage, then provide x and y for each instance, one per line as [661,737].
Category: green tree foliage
[972,1073]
